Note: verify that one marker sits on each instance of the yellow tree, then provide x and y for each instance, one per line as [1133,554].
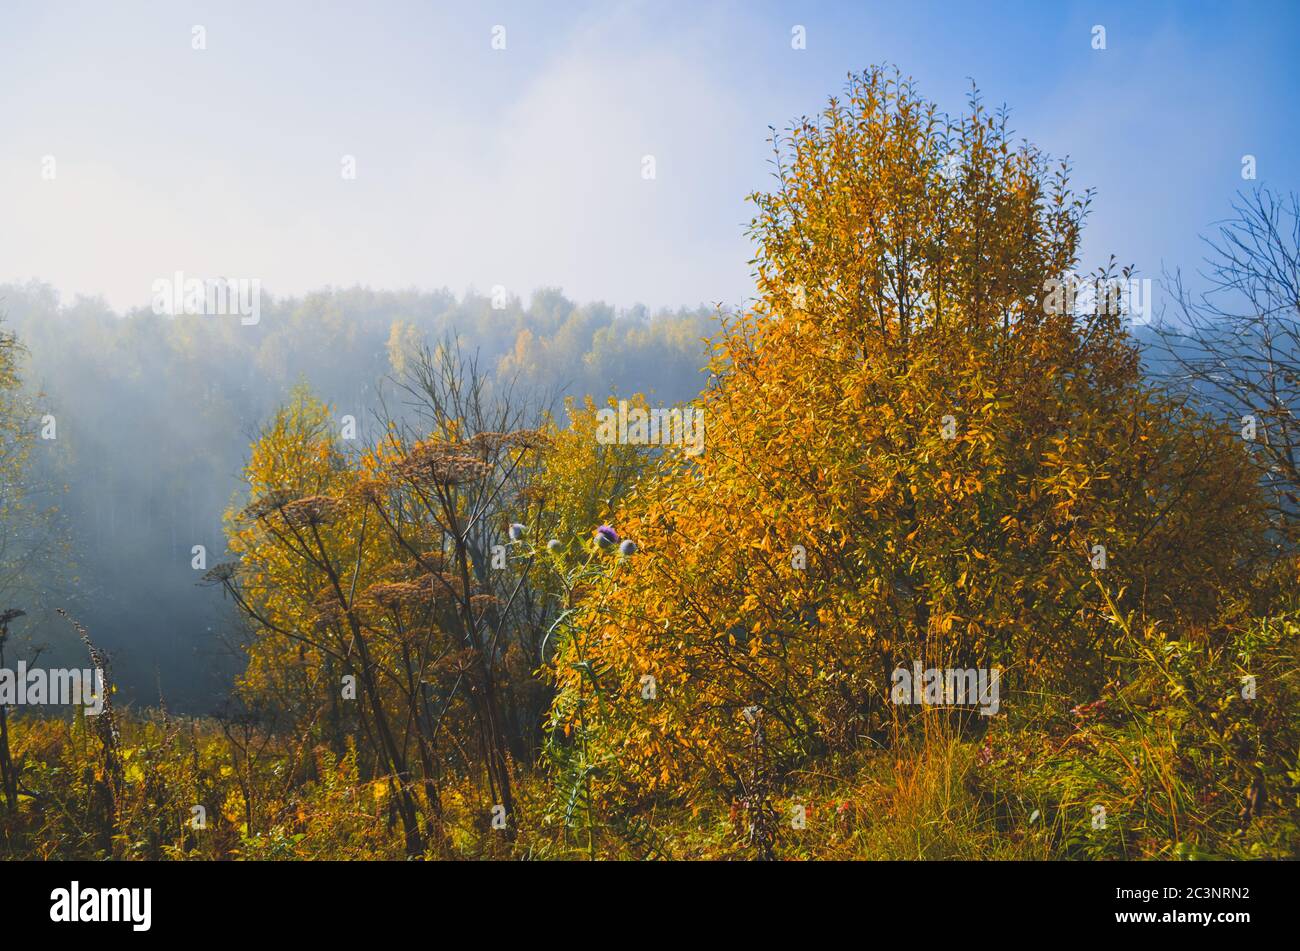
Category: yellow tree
[915,452]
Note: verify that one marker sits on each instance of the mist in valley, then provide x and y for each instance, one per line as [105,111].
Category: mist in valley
[153,416]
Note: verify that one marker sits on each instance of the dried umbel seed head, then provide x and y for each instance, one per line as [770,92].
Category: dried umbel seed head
[312,510]
[217,573]
[481,602]
[433,586]
[371,490]
[403,570]
[530,439]
[327,611]
[457,664]
[395,595]
[441,464]
[433,560]
[490,442]
[267,504]
[445,584]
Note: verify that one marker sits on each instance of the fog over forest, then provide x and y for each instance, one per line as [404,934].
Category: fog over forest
[154,416]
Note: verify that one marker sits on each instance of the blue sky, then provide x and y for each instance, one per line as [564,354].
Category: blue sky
[522,167]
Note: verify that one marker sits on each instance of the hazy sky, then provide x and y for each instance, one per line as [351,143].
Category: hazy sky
[522,167]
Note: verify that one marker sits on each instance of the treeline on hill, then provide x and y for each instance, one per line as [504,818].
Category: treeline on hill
[489,631]
[153,416]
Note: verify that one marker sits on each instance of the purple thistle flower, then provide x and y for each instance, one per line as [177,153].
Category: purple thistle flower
[627,548]
[606,537]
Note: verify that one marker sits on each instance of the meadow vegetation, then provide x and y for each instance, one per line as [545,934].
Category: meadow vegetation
[488,633]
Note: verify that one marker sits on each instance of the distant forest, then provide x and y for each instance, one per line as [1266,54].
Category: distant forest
[153,417]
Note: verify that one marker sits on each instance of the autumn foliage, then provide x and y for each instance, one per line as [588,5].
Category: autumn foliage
[487,631]
[911,456]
